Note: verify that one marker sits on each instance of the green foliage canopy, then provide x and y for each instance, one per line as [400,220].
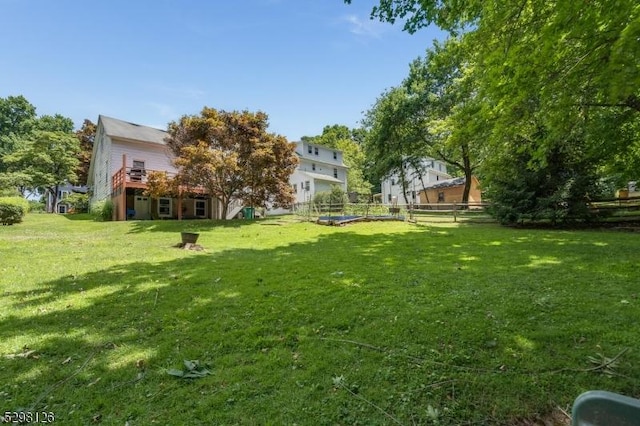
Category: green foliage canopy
[232,155]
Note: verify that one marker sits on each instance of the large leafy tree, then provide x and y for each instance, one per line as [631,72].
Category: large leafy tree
[392,141]
[17,118]
[444,108]
[232,155]
[558,83]
[569,56]
[86,135]
[349,141]
[53,123]
[48,158]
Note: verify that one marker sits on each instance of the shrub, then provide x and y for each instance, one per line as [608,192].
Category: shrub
[12,210]
[331,200]
[36,206]
[102,210]
[78,202]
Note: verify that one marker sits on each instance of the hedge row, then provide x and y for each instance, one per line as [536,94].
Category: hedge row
[12,210]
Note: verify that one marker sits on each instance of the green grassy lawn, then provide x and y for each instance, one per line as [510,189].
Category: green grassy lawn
[373,323]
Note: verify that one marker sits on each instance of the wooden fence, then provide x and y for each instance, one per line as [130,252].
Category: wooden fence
[608,210]
[434,212]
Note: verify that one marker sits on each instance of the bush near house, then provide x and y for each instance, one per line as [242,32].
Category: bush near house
[334,198]
[12,210]
[78,202]
[102,210]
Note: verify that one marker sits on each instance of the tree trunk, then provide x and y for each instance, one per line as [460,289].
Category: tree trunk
[54,199]
[467,174]
[225,208]
[403,181]
[424,188]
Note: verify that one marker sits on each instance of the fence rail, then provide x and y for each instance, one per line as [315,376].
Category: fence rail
[614,209]
[433,212]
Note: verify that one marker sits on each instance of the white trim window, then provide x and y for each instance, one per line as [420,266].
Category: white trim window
[164,207]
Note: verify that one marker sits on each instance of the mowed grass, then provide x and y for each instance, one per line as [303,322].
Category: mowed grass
[373,323]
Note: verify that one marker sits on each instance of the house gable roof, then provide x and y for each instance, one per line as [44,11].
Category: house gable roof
[124,130]
[448,183]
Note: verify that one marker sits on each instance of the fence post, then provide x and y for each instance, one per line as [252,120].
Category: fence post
[455,218]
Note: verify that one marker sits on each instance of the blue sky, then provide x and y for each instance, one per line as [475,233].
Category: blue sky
[306,63]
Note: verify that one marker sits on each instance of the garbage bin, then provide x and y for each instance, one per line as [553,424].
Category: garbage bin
[247,212]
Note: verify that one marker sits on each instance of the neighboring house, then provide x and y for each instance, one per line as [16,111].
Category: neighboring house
[417,178]
[320,168]
[63,192]
[123,155]
[450,191]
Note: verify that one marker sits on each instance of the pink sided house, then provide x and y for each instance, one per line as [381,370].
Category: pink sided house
[123,155]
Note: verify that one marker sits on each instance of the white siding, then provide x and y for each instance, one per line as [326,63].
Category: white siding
[101,178]
[108,160]
[433,171]
[155,157]
[321,163]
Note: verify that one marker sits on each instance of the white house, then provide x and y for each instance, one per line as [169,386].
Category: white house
[123,155]
[320,168]
[416,178]
[61,205]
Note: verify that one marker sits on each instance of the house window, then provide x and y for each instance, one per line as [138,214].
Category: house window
[164,207]
[137,171]
[307,187]
[315,150]
[295,188]
[389,197]
[309,149]
[313,167]
[335,155]
[393,181]
[413,194]
[440,196]
[62,208]
[200,208]
[335,173]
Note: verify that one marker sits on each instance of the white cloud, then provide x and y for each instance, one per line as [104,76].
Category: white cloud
[365,27]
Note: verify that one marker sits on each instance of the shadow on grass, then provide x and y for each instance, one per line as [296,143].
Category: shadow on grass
[79,216]
[193,225]
[389,313]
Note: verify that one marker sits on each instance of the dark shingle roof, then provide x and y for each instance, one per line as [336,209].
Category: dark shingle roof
[446,183]
[125,130]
